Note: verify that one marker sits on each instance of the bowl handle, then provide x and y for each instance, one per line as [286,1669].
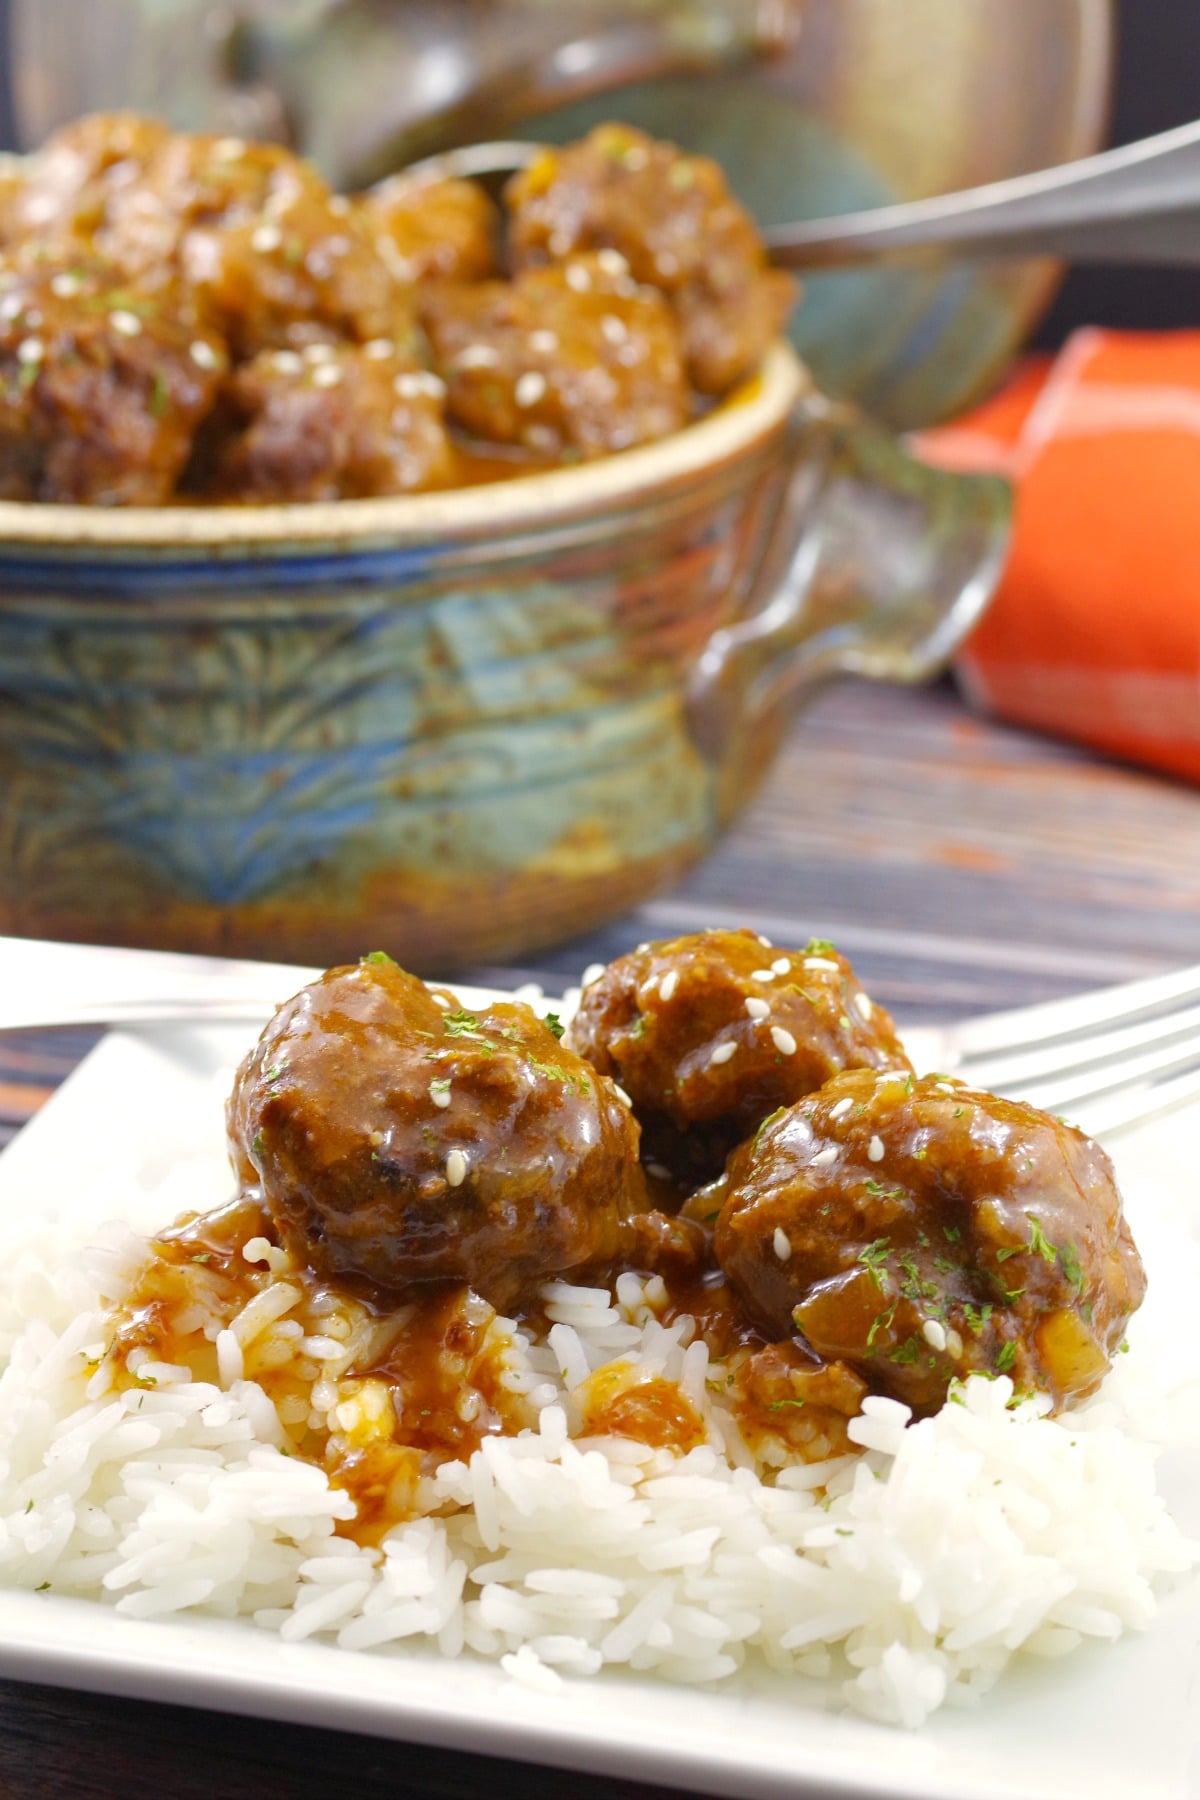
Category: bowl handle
[875,565]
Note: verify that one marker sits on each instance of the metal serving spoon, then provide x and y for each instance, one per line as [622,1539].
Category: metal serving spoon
[1140,203]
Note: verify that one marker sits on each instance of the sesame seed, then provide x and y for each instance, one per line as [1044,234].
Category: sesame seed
[954,1343]
[205,357]
[666,264]
[862,1006]
[782,1243]
[326,375]
[781,965]
[642,948]
[415,382]
[765,942]
[758,1009]
[379,348]
[819,962]
[265,238]
[30,350]
[934,1334]
[592,973]
[615,330]
[285,362]
[439,1093]
[841,1109]
[543,341]
[530,388]
[658,1171]
[612,262]
[375,1138]
[762,975]
[559,243]
[875,1149]
[11,307]
[456,1168]
[441,1000]
[721,1054]
[668,984]
[318,353]
[227,149]
[66,284]
[127,323]
[622,1096]
[824,1157]
[477,356]
[578,278]
[783,1041]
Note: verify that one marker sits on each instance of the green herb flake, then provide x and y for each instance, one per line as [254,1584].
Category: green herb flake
[881,1322]
[1071,1266]
[441,1085]
[160,395]
[43,1587]
[769,1120]
[259,1145]
[1039,1243]
[1007,1356]
[378,956]
[874,1257]
[29,1506]
[554,1025]
[775,1405]
[952,1234]
[819,947]
[909,1352]
[205,1257]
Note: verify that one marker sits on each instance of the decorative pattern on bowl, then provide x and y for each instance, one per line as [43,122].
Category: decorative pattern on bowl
[460,724]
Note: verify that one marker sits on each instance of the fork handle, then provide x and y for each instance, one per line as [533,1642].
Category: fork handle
[1139,203]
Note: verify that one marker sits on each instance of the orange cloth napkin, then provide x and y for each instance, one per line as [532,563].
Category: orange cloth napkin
[1095,632]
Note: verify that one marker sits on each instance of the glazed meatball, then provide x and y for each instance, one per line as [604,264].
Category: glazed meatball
[402,1140]
[921,1230]
[73,179]
[675,222]
[261,241]
[577,360]
[708,1034]
[101,387]
[431,230]
[329,424]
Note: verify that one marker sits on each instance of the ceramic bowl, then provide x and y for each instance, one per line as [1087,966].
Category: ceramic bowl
[457,725]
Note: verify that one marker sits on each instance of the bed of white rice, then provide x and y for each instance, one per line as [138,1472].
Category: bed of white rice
[909,1574]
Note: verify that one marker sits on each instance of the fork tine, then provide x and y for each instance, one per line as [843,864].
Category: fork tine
[1117,1111]
[1053,1062]
[1069,1089]
[1007,1032]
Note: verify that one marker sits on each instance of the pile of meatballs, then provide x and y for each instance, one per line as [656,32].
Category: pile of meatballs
[187,317]
[728,1115]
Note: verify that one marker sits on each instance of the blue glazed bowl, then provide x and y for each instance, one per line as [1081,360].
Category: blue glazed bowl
[460,724]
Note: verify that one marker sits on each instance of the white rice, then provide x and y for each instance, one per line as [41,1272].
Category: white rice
[910,1574]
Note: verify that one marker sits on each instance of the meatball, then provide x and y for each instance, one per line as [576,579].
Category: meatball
[101,386]
[560,360]
[431,230]
[708,1034]
[329,424]
[73,179]
[921,1230]
[402,1140]
[675,222]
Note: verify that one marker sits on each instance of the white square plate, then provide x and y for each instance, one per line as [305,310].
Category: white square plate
[1119,1722]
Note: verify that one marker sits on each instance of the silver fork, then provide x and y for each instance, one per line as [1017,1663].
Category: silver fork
[1107,1059]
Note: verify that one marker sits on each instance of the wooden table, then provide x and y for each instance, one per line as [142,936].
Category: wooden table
[963,866]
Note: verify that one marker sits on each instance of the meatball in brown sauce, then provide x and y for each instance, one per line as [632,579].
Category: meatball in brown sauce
[401,1140]
[675,222]
[921,1230]
[710,1033]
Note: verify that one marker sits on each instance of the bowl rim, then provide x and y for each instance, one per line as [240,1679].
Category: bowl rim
[756,409]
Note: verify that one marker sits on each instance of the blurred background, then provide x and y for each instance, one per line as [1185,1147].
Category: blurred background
[855,102]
